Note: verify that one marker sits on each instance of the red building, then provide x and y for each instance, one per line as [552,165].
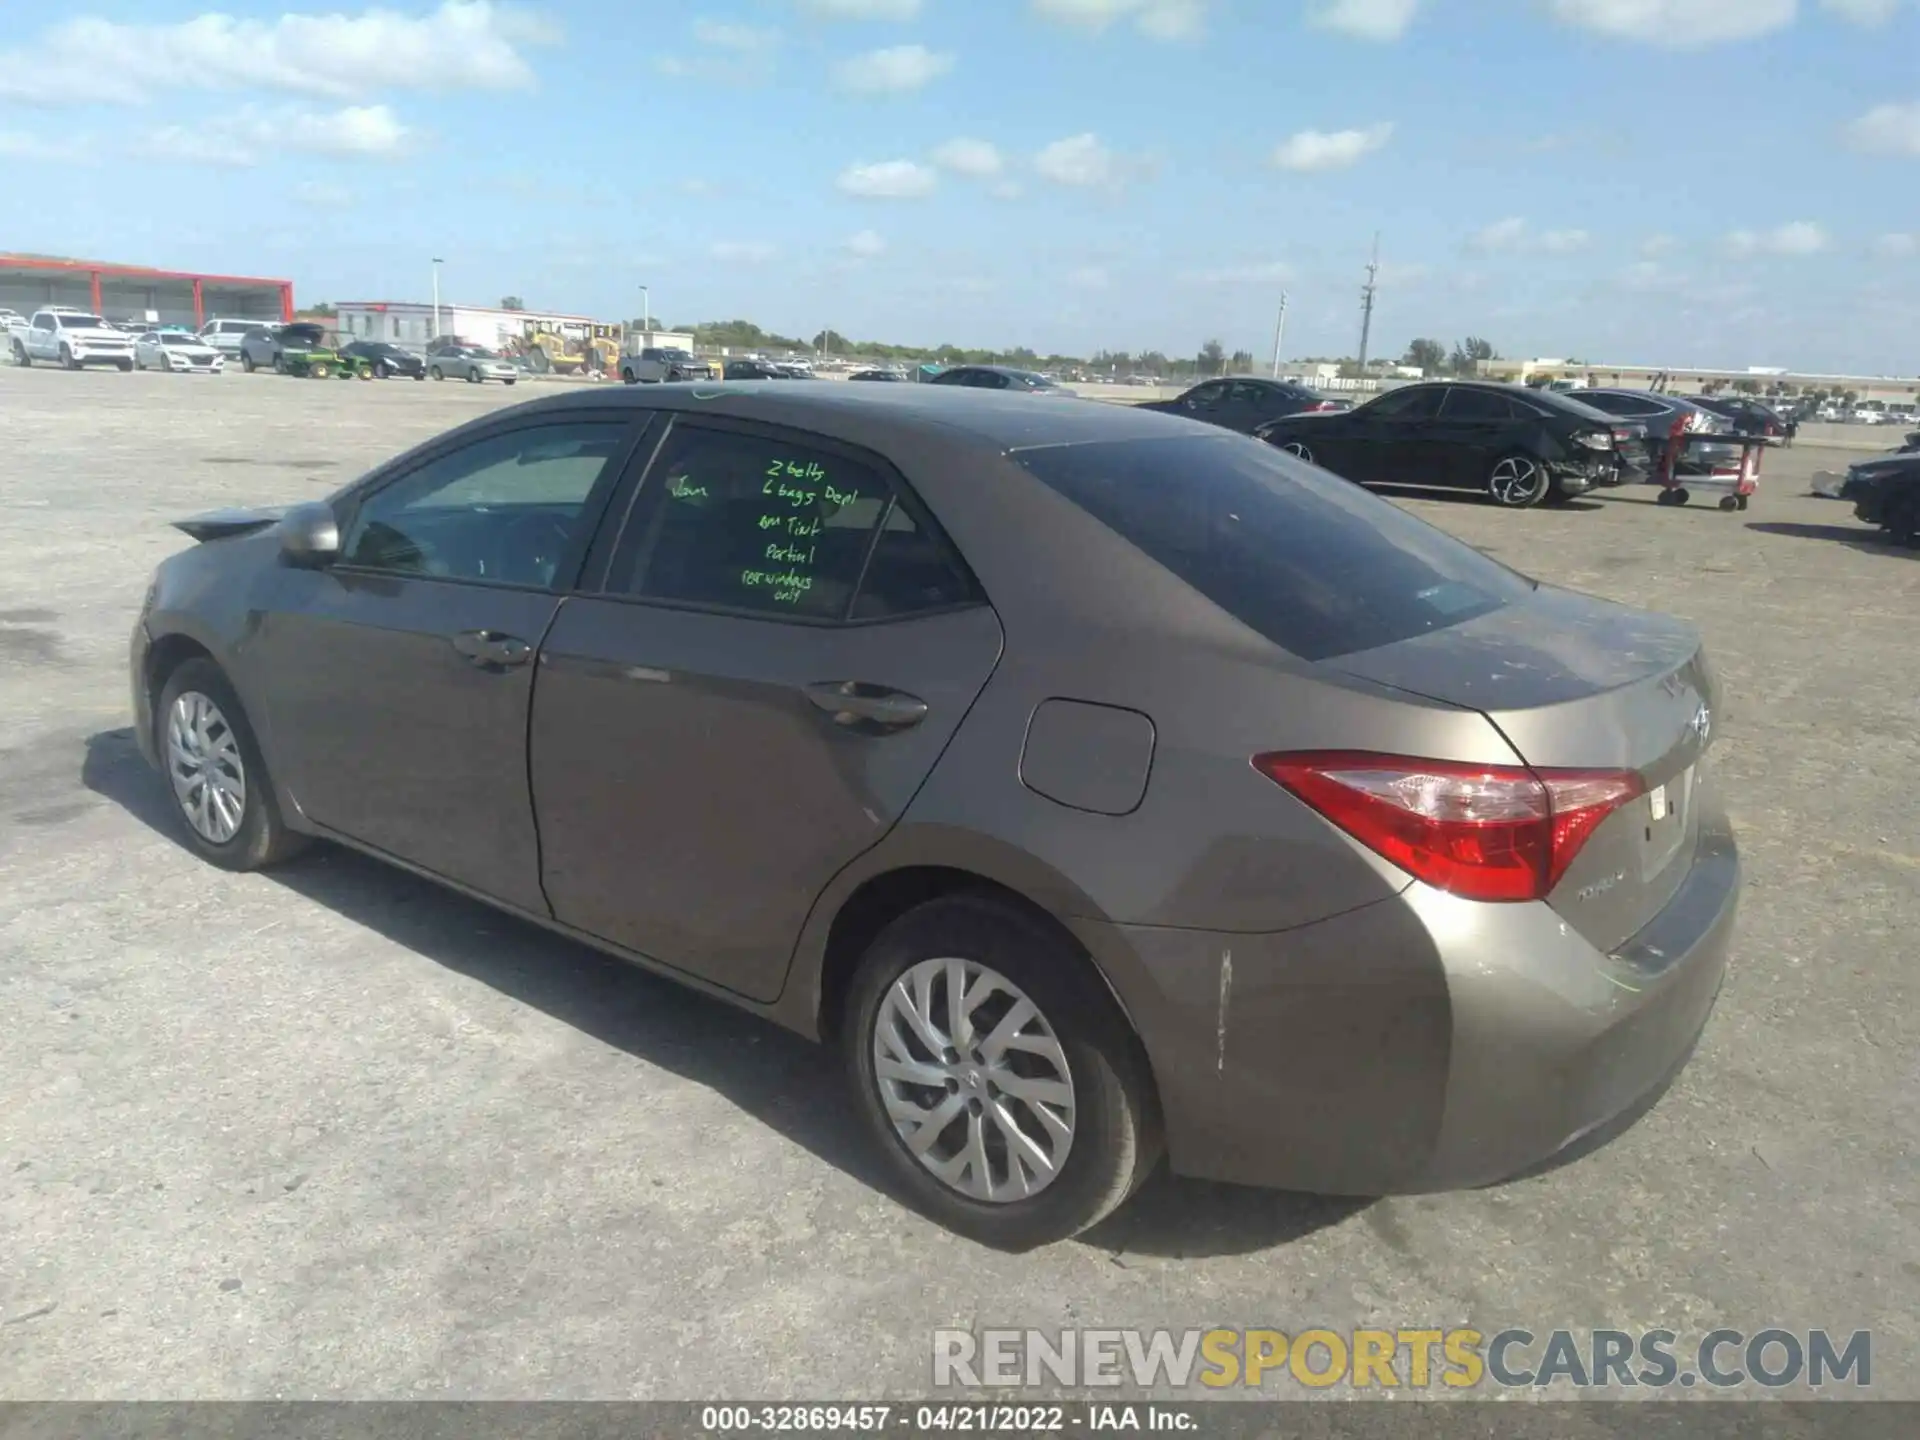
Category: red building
[130,292]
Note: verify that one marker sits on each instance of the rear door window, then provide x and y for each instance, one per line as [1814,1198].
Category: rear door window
[1315,564]
[1465,403]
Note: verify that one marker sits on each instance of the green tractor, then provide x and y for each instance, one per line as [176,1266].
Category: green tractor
[313,351]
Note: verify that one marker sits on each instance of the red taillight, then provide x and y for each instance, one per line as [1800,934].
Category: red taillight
[1485,832]
[1322,405]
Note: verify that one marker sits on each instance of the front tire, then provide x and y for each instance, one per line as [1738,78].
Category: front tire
[214,769]
[1007,1095]
[1299,451]
[125,366]
[21,357]
[474,377]
[1518,481]
[67,358]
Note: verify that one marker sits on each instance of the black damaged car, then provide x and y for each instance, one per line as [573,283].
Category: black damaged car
[1518,447]
[1885,491]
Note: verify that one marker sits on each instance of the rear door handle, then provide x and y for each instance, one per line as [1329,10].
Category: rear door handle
[491,648]
[858,705]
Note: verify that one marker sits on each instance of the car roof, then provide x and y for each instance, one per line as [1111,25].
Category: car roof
[887,416]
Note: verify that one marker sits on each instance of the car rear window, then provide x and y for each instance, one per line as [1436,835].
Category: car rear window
[1317,565]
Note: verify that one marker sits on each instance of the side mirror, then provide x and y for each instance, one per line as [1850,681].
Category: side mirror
[310,536]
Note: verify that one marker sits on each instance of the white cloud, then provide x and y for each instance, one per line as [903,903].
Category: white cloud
[1564,242]
[1006,190]
[1657,245]
[1263,273]
[862,9]
[20,145]
[1156,19]
[1888,130]
[1500,235]
[1083,162]
[463,45]
[891,71]
[1330,149]
[742,252]
[744,38]
[1863,12]
[969,157]
[250,134]
[1800,237]
[867,244]
[887,180]
[1089,277]
[1897,246]
[1365,19]
[1676,24]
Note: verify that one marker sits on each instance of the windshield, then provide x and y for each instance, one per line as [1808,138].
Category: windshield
[81,322]
[303,335]
[1315,564]
[1031,380]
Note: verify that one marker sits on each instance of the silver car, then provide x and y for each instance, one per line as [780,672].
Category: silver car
[473,363]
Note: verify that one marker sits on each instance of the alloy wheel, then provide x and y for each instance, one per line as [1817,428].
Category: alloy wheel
[974,1080]
[1298,451]
[1514,480]
[203,761]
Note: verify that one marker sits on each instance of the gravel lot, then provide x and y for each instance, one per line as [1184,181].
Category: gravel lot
[332,1132]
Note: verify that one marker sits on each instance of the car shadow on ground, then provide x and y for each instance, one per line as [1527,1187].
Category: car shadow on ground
[1855,537]
[783,1080]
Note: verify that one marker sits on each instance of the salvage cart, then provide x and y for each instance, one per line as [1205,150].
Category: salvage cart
[1734,482]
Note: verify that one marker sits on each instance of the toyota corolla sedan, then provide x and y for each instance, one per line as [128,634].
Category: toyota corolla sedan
[1102,784]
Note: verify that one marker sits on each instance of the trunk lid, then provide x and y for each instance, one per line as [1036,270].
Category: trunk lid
[1579,683]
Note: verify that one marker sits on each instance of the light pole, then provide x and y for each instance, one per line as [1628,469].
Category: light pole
[646,313]
[437,263]
[1279,329]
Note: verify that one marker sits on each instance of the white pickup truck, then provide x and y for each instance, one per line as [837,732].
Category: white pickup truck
[61,335]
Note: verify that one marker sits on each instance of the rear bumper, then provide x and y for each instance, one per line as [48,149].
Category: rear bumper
[1420,1043]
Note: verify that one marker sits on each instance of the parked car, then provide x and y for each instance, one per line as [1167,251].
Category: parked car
[225,334]
[475,364]
[10,318]
[1886,492]
[753,370]
[1867,415]
[657,364]
[301,348]
[176,349]
[1243,402]
[1748,417]
[385,359]
[62,335]
[1517,446]
[881,376]
[1089,777]
[1002,377]
[1660,414]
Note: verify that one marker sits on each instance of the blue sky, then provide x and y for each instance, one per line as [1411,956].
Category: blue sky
[1721,182]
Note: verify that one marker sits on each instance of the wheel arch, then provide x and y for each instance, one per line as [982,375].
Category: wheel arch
[166,655]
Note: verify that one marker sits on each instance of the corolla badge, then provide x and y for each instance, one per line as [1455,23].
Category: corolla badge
[1701,725]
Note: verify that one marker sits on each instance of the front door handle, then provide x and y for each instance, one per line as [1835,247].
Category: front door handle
[860,706]
[490,649]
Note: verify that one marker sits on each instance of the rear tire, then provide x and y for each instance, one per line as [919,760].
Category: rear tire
[437,373]
[21,357]
[1299,450]
[246,362]
[1518,481]
[1729,503]
[189,754]
[126,367]
[381,370]
[1103,1137]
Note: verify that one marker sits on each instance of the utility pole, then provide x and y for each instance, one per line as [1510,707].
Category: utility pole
[1366,303]
[437,263]
[1279,329]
